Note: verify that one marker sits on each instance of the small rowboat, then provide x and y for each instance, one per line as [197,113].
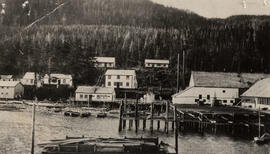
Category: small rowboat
[85,114]
[101,115]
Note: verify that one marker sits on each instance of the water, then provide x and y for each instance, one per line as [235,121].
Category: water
[15,134]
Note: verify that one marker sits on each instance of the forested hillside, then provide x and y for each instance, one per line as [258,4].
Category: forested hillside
[130,30]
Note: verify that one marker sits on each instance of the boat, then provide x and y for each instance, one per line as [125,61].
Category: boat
[56,110]
[75,114]
[85,114]
[265,138]
[68,113]
[101,115]
[90,145]
[261,139]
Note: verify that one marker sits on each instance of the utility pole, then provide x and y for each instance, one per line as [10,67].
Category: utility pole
[178,57]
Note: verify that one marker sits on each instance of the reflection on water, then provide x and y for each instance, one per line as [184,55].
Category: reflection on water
[15,134]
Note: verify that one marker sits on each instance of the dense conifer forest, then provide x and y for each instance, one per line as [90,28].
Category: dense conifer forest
[130,30]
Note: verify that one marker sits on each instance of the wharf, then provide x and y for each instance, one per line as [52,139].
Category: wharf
[234,121]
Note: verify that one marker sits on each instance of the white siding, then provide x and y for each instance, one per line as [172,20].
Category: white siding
[95,97]
[128,81]
[226,95]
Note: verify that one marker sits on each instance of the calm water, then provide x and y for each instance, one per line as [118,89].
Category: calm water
[15,134]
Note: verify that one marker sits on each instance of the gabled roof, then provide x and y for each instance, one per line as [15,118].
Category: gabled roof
[259,89]
[225,80]
[104,59]
[59,76]
[94,90]
[161,61]
[6,76]
[120,72]
[29,75]
[9,83]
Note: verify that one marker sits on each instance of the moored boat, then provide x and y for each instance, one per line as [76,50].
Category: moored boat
[67,113]
[89,145]
[75,114]
[85,114]
[101,115]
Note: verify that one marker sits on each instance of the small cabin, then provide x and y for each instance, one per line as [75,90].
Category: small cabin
[156,63]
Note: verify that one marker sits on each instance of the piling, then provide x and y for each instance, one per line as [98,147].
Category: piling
[125,110]
[120,117]
[152,114]
[136,115]
[144,124]
[166,120]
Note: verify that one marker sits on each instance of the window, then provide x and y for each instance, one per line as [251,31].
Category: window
[64,80]
[32,81]
[85,96]
[81,96]
[127,77]
[6,93]
[109,83]
[158,64]
[200,96]
[208,96]
[231,101]
[224,101]
[115,83]
[109,77]
[224,91]
[118,76]
[120,84]
[127,84]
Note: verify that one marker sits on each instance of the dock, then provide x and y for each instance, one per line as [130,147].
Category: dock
[232,121]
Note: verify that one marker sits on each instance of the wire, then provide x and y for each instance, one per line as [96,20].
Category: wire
[36,21]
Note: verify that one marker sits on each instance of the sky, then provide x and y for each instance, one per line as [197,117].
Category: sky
[220,8]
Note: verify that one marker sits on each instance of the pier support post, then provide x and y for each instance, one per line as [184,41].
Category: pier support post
[152,114]
[158,122]
[144,124]
[120,117]
[136,115]
[125,110]
[167,115]
[130,123]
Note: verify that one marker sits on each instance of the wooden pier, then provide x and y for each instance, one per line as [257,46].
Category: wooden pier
[236,122]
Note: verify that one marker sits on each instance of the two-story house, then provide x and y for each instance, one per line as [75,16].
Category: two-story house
[122,78]
[11,89]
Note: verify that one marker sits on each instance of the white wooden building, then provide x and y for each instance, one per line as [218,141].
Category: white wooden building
[11,89]
[122,78]
[58,79]
[258,95]
[220,86]
[29,79]
[97,94]
[156,63]
[107,62]
[6,77]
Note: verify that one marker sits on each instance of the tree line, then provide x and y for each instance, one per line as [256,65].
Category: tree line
[131,31]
